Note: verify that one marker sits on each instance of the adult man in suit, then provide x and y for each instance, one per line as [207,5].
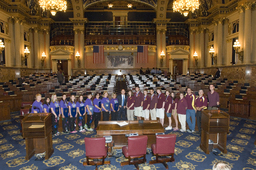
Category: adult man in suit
[122,100]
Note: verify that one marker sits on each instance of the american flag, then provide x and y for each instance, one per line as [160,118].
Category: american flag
[98,54]
[142,54]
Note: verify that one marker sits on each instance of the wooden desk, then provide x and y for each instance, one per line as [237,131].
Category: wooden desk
[215,126]
[37,130]
[239,108]
[5,110]
[110,128]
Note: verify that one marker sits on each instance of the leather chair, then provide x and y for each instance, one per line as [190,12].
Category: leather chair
[137,148]
[95,149]
[165,145]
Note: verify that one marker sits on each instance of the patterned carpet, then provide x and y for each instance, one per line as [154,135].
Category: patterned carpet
[69,151]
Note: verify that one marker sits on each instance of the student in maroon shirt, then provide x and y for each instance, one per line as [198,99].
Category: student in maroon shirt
[213,98]
[130,105]
[153,103]
[160,106]
[201,104]
[191,113]
[168,110]
[146,104]
[174,110]
[181,110]
[138,103]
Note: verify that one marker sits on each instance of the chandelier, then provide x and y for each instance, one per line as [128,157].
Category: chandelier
[53,5]
[185,6]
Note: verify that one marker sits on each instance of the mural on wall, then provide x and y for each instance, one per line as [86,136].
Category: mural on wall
[120,61]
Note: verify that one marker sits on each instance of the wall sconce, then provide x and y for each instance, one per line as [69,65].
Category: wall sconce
[196,58]
[110,5]
[43,58]
[78,58]
[26,53]
[162,55]
[236,47]
[129,5]
[2,46]
[211,52]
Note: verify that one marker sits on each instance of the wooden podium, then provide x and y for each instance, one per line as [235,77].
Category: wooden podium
[214,127]
[37,130]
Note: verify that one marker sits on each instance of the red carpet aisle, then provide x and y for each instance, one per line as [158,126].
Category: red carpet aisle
[69,151]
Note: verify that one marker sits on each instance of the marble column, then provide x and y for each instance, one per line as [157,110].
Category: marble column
[47,49]
[215,44]
[197,48]
[17,61]
[82,58]
[11,34]
[32,56]
[201,58]
[8,57]
[247,33]
[225,58]
[185,66]
[220,42]
[207,59]
[161,46]
[36,49]
[192,48]
[171,66]
[241,26]
[41,47]
[254,36]
[76,43]
[21,44]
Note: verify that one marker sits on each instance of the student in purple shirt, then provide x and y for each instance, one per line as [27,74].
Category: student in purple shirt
[89,110]
[114,107]
[201,104]
[181,110]
[174,110]
[130,105]
[138,103]
[153,103]
[46,106]
[191,113]
[213,98]
[146,104]
[72,114]
[81,113]
[37,106]
[160,106]
[105,105]
[55,110]
[64,113]
[97,109]
[168,110]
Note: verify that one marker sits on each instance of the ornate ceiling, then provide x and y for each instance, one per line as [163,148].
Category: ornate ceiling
[120,4]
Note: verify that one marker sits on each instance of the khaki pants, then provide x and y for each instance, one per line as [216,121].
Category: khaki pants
[182,120]
[130,114]
[138,111]
[153,114]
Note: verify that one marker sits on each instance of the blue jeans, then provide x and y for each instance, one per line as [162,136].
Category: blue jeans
[191,113]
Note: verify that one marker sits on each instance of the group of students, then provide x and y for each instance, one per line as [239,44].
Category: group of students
[127,107]
[187,108]
[72,111]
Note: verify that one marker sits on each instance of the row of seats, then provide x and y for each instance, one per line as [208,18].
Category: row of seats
[136,149]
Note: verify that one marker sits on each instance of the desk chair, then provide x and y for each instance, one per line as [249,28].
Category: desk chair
[95,149]
[137,148]
[165,145]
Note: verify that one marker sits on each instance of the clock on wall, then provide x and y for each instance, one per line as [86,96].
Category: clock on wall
[120,47]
